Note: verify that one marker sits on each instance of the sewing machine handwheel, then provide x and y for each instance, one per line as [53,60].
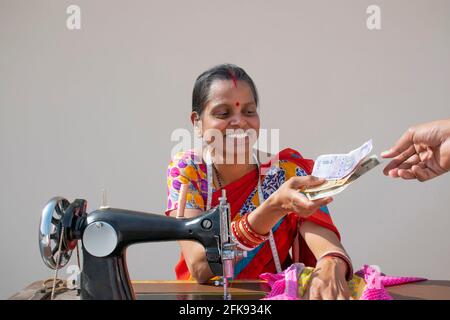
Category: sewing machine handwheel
[50,228]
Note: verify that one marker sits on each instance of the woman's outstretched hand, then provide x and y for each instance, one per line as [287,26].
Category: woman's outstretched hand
[288,198]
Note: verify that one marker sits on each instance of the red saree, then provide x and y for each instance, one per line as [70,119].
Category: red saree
[286,234]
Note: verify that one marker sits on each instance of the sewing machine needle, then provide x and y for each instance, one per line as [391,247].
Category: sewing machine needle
[104,200]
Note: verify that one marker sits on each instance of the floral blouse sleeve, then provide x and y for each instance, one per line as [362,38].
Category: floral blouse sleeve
[184,170]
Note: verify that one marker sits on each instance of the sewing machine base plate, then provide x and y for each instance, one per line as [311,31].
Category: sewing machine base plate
[240,290]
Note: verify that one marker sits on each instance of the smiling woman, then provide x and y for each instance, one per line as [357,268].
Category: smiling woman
[230,124]
[269,213]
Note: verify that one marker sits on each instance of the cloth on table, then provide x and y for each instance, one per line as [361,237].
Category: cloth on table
[367,283]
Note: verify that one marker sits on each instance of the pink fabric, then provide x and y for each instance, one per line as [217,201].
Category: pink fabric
[389,281]
[374,289]
[284,285]
[377,281]
[375,294]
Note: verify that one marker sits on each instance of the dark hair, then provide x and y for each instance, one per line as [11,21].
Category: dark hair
[224,71]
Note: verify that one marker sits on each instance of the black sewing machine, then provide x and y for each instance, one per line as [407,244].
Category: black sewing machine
[106,233]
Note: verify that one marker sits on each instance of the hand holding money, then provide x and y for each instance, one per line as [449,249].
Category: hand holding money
[287,198]
[340,170]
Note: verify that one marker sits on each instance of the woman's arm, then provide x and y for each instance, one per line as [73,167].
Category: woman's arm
[319,239]
[286,199]
[194,253]
[329,277]
[262,219]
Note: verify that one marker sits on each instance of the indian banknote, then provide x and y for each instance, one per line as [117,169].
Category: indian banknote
[362,168]
[339,166]
[328,184]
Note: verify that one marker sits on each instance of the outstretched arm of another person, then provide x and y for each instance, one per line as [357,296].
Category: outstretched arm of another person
[422,153]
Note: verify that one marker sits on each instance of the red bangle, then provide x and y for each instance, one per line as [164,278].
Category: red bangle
[240,238]
[248,238]
[245,235]
[248,233]
[253,233]
[345,258]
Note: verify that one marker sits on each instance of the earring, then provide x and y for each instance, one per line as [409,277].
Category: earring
[197,130]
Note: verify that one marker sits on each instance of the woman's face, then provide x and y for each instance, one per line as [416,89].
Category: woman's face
[231,115]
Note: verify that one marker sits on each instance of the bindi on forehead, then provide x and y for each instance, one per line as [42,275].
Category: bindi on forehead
[237,104]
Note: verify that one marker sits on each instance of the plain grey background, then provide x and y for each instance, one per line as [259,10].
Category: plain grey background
[94,108]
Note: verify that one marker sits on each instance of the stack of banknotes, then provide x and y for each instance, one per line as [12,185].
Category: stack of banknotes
[340,170]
